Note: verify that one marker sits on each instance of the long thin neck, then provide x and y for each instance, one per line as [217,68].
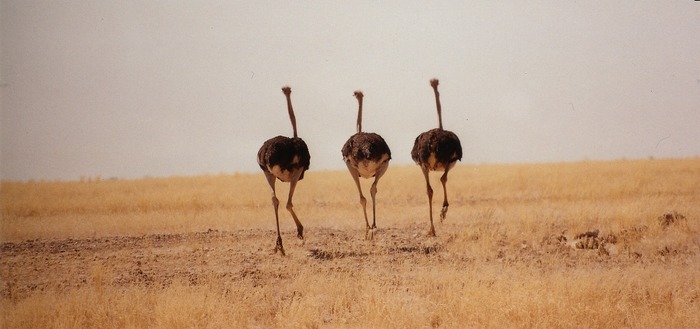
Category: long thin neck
[292,118]
[439,108]
[359,116]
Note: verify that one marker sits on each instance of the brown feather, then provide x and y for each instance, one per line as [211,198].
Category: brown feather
[287,153]
[444,146]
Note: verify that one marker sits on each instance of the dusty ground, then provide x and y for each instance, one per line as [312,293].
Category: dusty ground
[245,257]
[157,260]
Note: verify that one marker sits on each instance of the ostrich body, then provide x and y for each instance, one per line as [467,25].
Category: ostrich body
[285,159]
[436,150]
[366,155]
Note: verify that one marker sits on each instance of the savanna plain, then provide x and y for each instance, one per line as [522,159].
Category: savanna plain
[590,244]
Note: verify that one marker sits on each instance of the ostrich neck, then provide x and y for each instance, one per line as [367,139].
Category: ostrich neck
[439,108]
[359,116]
[292,118]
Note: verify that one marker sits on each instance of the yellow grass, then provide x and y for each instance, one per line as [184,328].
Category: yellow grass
[495,263]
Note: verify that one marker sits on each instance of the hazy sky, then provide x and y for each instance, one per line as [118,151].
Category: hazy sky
[157,88]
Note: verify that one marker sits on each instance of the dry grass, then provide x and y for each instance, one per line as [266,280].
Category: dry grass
[196,252]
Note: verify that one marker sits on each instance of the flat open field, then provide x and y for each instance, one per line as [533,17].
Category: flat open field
[590,244]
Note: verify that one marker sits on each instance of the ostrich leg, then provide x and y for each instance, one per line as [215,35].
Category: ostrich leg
[373,192]
[275,203]
[430,199]
[290,206]
[445,204]
[363,201]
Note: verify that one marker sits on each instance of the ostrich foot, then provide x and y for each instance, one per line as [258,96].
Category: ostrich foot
[431,233]
[300,232]
[369,233]
[279,246]
[443,214]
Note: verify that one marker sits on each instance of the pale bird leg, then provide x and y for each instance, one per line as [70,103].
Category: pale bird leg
[290,206]
[373,191]
[430,199]
[445,204]
[363,201]
[275,203]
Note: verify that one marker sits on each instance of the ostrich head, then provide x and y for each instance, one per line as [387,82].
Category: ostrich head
[287,90]
[434,83]
[358,94]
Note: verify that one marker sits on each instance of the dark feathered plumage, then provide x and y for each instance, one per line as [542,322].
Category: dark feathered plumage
[289,154]
[363,146]
[443,144]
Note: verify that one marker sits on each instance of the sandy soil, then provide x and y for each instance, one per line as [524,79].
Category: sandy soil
[246,256]
[159,259]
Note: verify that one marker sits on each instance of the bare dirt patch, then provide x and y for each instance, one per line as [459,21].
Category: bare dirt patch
[246,257]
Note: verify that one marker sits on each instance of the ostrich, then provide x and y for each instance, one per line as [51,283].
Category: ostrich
[285,159]
[366,155]
[436,150]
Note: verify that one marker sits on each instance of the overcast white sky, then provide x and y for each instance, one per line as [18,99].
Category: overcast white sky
[157,88]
